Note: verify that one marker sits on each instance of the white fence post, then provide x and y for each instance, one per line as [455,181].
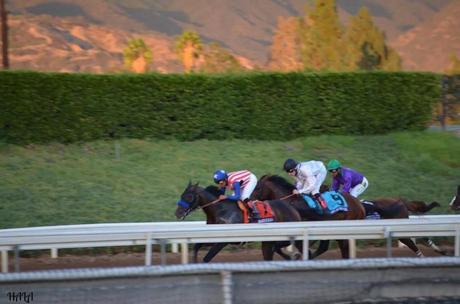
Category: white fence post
[54,253]
[305,246]
[148,250]
[352,248]
[184,252]
[227,289]
[4,260]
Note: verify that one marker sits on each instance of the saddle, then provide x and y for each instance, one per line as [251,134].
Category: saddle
[264,210]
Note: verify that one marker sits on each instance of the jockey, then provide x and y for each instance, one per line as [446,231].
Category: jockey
[309,177]
[242,183]
[353,182]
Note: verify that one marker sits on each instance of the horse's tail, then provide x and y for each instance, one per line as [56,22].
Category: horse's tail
[420,206]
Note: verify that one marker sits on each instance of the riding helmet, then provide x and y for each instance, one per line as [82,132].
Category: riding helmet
[290,164]
[333,165]
[220,175]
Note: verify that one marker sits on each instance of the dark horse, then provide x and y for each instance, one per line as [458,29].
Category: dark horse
[271,187]
[228,212]
[455,202]
[276,187]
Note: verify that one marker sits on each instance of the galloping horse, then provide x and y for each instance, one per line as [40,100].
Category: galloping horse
[276,187]
[228,212]
[455,202]
[270,187]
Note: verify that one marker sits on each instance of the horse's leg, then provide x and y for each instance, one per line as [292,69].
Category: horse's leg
[344,246]
[196,248]
[213,251]
[429,242]
[267,251]
[409,243]
[322,248]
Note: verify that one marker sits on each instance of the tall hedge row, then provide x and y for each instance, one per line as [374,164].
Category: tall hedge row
[46,107]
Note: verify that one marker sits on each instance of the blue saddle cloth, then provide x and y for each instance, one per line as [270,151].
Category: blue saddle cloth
[334,200]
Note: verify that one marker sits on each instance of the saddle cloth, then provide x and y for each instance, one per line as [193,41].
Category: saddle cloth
[334,200]
[371,214]
[265,211]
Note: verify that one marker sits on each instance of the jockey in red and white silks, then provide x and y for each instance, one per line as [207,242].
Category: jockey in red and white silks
[242,183]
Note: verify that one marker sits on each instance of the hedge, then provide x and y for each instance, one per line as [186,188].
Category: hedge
[58,107]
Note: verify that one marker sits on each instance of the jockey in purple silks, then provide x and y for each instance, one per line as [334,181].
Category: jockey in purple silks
[353,182]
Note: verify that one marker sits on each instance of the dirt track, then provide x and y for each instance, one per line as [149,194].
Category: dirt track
[137,259]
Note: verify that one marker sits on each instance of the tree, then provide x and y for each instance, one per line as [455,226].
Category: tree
[188,49]
[450,100]
[454,65]
[321,38]
[137,56]
[285,50]
[218,60]
[365,45]
[4,24]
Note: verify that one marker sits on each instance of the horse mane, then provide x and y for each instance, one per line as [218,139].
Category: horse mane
[281,181]
[214,190]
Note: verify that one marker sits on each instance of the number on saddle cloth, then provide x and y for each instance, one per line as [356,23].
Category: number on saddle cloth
[334,200]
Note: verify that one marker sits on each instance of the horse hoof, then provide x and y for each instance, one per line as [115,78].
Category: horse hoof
[297,256]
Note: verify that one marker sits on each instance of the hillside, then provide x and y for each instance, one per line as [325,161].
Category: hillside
[48,43]
[428,46]
[243,27]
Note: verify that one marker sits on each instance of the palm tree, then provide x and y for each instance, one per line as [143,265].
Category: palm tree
[137,55]
[188,49]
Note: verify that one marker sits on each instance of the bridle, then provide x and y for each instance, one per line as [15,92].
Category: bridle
[190,206]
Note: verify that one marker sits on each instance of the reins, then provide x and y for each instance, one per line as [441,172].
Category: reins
[287,196]
[200,207]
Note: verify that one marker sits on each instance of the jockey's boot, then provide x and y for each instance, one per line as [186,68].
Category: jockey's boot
[321,202]
[255,213]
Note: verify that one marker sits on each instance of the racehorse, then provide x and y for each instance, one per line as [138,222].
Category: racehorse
[271,187]
[276,187]
[455,202]
[228,212]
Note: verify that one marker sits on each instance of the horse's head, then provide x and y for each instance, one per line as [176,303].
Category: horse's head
[455,203]
[189,200]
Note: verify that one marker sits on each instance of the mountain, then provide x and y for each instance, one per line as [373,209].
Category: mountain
[243,27]
[427,46]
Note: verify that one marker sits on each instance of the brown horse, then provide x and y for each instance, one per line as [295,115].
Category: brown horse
[228,212]
[387,208]
[400,208]
[455,202]
[276,187]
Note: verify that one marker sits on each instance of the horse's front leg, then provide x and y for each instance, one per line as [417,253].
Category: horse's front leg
[409,243]
[268,248]
[344,248]
[215,249]
[196,248]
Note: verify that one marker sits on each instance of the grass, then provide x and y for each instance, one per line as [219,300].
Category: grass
[86,183]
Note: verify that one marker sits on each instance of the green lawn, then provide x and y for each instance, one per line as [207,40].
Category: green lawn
[86,183]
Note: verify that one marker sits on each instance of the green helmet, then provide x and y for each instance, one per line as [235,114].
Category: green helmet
[333,165]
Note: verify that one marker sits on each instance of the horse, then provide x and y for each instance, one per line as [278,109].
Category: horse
[276,187]
[455,202]
[228,212]
[270,187]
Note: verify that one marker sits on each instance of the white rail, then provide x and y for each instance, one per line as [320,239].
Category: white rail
[114,234]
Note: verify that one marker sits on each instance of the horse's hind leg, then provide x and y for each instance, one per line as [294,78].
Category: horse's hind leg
[429,242]
[213,251]
[322,248]
[276,247]
[409,243]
